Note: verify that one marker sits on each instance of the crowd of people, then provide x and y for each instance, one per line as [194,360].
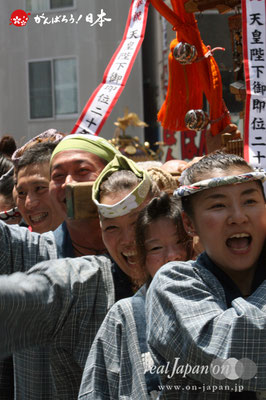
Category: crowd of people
[131,302]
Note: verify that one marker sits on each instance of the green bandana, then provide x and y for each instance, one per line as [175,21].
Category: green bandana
[133,199]
[90,143]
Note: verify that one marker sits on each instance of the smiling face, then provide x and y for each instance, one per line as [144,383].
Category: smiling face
[231,223]
[119,236]
[33,199]
[72,166]
[162,245]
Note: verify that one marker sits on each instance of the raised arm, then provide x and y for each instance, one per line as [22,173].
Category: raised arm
[55,301]
[20,249]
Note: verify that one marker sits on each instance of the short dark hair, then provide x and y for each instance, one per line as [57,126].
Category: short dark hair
[7,145]
[162,206]
[6,188]
[38,154]
[7,181]
[216,160]
[5,164]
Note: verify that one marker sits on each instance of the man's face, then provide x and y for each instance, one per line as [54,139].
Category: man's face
[72,166]
[33,199]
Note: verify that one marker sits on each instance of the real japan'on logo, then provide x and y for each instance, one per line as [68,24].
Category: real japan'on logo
[19,18]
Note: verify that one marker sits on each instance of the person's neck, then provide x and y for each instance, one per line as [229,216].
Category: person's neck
[86,236]
[244,281]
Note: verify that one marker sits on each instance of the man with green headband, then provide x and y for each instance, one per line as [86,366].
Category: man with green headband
[78,158]
[61,303]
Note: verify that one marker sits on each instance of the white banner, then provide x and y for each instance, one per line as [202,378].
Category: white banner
[254,46]
[103,99]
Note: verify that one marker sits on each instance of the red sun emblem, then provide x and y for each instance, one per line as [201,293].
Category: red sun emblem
[19,18]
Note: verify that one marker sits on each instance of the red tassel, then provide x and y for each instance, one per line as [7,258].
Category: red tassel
[187,83]
[183,93]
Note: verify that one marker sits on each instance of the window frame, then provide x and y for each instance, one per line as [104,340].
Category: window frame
[52,10]
[55,116]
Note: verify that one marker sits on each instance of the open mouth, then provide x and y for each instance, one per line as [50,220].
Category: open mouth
[239,241]
[38,217]
[130,257]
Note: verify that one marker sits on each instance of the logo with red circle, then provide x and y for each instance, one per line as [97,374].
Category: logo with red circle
[19,18]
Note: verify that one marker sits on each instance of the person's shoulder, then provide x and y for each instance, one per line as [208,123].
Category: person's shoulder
[172,275]
[46,236]
[121,314]
[79,266]
[23,233]
[87,280]
[122,307]
[96,269]
[177,268]
[123,310]
[102,263]
[91,262]
[12,227]
[102,259]
[187,269]
[186,278]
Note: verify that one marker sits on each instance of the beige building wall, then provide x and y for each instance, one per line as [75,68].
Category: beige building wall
[92,47]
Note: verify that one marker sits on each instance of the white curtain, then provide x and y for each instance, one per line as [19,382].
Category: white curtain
[65,86]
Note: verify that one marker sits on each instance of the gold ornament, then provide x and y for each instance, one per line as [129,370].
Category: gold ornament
[131,146]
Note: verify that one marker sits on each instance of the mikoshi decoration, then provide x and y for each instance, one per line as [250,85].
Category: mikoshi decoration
[221,5]
[199,119]
[238,87]
[232,145]
[188,82]
[130,146]
[196,120]
[185,53]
